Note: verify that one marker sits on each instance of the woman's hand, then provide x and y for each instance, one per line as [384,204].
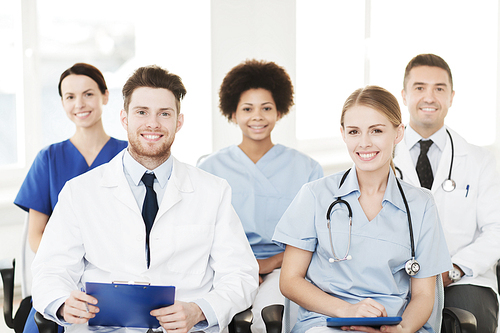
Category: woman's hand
[365,308]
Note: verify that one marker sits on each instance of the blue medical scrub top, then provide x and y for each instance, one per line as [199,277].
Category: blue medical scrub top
[379,248]
[53,167]
[262,191]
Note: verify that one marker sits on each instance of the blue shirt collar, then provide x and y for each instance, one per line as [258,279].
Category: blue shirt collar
[391,194]
[137,170]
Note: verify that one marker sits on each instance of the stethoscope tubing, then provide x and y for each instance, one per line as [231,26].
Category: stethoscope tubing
[451,165]
[452,154]
[409,264]
[410,225]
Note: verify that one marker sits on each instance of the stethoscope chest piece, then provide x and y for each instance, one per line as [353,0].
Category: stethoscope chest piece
[449,185]
[412,267]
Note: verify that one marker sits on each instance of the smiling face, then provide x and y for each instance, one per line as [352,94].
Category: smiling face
[256,115]
[82,100]
[370,138]
[428,95]
[151,123]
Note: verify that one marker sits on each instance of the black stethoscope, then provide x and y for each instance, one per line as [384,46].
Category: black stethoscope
[448,184]
[411,266]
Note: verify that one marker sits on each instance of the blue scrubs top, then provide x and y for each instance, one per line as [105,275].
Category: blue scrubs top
[262,191]
[379,248]
[53,167]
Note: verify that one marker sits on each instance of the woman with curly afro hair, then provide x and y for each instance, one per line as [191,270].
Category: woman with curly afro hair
[264,177]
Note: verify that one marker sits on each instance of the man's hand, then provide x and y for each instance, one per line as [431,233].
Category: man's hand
[446,278]
[180,316]
[78,308]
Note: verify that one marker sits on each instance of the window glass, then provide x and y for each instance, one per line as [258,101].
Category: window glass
[331,50]
[117,38]
[99,33]
[10,82]
[330,58]
[465,36]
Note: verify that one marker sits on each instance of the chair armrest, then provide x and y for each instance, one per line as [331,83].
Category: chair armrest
[458,320]
[44,325]
[498,273]
[7,269]
[273,318]
[241,322]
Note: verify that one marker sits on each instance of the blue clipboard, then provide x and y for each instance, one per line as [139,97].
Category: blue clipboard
[128,305]
[362,321]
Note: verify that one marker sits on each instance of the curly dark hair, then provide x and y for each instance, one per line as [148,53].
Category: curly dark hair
[255,74]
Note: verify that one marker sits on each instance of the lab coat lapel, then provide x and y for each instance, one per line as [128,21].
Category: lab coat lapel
[255,172]
[114,177]
[179,183]
[403,161]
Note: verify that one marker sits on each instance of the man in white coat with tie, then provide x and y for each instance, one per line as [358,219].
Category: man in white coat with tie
[465,185]
[147,217]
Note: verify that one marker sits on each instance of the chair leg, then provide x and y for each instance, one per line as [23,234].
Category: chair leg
[273,318]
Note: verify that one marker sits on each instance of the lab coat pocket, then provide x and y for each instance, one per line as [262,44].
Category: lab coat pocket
[192,244]
[457,211]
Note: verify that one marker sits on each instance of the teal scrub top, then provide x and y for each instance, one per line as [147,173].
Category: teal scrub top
[262,191]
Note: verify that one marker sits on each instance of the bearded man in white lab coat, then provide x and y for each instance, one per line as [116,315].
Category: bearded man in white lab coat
[98,234]
[470,209]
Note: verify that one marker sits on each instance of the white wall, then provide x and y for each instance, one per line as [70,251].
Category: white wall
[241,30]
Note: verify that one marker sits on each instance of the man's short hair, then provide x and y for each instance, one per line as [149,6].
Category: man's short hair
[255,74]
[154,77]
[430,60]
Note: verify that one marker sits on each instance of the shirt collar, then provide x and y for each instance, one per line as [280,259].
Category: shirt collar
[438,138]
[137,170]
[350,183]
[391,194]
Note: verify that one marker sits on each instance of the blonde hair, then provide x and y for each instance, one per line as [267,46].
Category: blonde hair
[378,99]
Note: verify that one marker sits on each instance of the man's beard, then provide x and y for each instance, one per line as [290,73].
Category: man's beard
[140,150]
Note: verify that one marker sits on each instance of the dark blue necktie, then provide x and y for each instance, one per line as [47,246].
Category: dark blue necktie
[149,208]
[423,167]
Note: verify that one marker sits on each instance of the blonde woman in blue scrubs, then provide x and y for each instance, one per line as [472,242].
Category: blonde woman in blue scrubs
[373,281]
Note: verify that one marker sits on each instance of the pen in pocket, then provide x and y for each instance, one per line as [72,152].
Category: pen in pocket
[467,192]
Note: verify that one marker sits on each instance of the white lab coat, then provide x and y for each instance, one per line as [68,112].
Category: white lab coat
[471,220]
[197,243]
